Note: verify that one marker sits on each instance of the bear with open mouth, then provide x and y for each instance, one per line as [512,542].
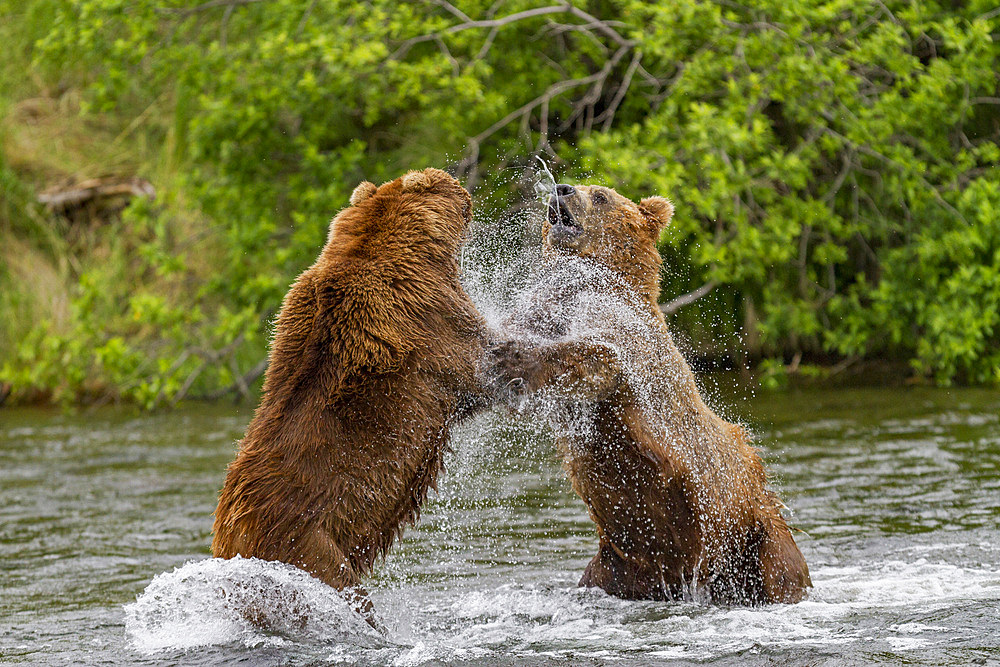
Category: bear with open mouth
[678,494]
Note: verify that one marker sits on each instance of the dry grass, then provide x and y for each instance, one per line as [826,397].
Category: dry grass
[47,141]
[42,286]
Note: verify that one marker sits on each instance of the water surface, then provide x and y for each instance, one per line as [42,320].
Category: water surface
[897,492]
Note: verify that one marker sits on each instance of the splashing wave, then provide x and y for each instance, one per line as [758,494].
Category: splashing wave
[243,601]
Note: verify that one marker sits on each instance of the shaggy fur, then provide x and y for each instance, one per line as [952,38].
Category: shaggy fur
[678,495]
[374,357]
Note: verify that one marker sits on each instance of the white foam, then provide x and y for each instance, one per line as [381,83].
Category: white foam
[203,604]
[570,621]
[210,602]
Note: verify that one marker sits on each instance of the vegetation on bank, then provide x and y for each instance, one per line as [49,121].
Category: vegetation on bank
[833,163]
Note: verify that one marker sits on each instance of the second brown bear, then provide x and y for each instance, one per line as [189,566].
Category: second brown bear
[678,494]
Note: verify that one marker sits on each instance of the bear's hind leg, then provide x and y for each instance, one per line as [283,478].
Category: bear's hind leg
[627,578]
[320,555]
[783,569]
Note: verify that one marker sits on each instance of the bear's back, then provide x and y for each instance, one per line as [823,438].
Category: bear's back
[374,354]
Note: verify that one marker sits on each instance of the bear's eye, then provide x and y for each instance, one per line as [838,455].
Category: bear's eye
[599,198]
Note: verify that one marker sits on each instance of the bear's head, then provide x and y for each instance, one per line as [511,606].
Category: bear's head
[418,206]
[389,271]
[598,223]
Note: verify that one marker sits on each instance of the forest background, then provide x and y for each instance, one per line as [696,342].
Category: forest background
[833,164]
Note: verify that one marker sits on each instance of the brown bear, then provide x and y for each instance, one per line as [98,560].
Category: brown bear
[678,495]
[374,358]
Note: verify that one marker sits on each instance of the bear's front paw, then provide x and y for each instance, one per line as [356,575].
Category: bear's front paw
[510,370]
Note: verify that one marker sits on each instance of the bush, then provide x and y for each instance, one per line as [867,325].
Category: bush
[832,162]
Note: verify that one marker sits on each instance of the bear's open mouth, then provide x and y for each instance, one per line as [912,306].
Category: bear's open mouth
[560,216]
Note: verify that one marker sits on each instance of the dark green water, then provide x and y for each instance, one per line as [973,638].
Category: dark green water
[897,490]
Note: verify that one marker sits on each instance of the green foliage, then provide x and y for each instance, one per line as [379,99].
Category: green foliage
[833,163]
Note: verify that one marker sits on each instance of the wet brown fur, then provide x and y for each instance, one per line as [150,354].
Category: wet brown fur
[681,510]
[373,359]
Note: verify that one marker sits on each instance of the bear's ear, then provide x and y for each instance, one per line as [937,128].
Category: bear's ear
[364,190]
[415,181]
[657,211]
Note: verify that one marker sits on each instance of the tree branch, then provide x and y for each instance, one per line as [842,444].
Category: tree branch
[242,383]
[608,116]
[469,25]
[453,10]
[547,96]
[211,4]
[871,152]
[674,305]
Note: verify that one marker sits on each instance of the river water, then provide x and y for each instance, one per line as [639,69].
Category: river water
[106,519]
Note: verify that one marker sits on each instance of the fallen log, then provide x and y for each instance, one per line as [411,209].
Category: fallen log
[96,196]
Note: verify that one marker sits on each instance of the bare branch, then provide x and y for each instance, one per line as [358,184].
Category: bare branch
[211,4]
[469,166]
[543,129]
[593,23]
[453,10]
[601,26]
[456,69]
[583,110]
[586,105]
[753,25]
[838,182]
[96,189]
[174,367]
[487,44]
[224,25]
[494,8]
[547,96]
[242,383]
[239,383]
[871,152]
[674,305]
[843,365]
[470,25]
[182,392]
[305,18]
[609,114]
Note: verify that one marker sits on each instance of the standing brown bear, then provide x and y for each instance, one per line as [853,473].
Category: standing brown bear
[374,357]
[678,495]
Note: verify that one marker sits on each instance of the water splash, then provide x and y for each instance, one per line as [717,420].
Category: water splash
[504,249]
[544,190]
[575,623]
[243,601]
